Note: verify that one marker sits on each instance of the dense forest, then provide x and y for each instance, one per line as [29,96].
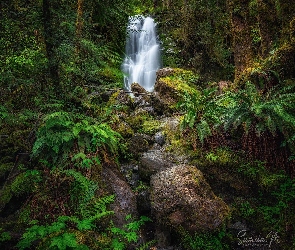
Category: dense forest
[205,161]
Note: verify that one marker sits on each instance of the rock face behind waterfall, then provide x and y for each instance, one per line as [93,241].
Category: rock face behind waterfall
[142,53]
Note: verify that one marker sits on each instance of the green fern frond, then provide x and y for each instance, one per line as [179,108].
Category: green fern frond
[64,241]
[203,130]
[61,131]
[147,245]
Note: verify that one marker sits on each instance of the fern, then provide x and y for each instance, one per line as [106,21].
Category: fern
[248,107]
[203,129]
[66,241]
[82,189]
[129,233]
[272,111]
[98,208]
[83,198]
[99,63]
[54,136]
[4,236]
[201,112]
[53,237]
[146,246]
[59,234]
[61,131]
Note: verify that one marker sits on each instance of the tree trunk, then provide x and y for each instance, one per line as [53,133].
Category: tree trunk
[241,35]
[79,24]
[49,42]
[268,25]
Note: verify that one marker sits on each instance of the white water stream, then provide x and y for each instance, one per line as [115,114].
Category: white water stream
[142,53]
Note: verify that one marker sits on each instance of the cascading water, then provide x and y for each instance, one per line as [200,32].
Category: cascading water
[142,53]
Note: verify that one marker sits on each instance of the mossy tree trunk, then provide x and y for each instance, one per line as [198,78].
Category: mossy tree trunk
[268,25]
[241,35]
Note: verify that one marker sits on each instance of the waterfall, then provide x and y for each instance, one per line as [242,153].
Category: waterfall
[142,53]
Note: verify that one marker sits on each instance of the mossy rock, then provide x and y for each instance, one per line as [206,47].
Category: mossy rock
[138,144]
[182,199]
[170,88]
[124,129]
[150,127]
[122,98]
[137,119]
[138,89]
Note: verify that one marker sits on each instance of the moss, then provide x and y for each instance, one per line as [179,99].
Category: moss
[6,195]
[113,98]
[150,127]
[261,177]
[182,80]
[174,135]
[22,184]
[124,129]
[172,88]
[136,121]
[221,157]
[4,168]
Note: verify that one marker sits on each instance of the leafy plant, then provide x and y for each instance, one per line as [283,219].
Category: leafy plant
[206,241]
[54,236]
[281,210]
[98,63]
[61,134]
[271,111]
[257,172]
[129,233]
[63,233]
[201,112]
[246,107]
[246,209]
[4,236]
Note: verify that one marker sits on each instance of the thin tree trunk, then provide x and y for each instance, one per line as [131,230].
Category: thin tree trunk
[49,42]
[79,24]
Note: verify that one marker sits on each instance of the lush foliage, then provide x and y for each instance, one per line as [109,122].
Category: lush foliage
[63,133]
[247,107]
[194,39]
[71,232]
[205,241]
[269,111]
[60,60]
[201,112]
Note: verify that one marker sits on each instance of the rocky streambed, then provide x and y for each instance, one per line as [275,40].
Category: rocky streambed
[159,179]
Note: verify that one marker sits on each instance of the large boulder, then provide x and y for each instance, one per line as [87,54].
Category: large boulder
[170,87]
[138,144]
[138,89]
[152,162]
[125,199]
[164,72]
[182,199]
